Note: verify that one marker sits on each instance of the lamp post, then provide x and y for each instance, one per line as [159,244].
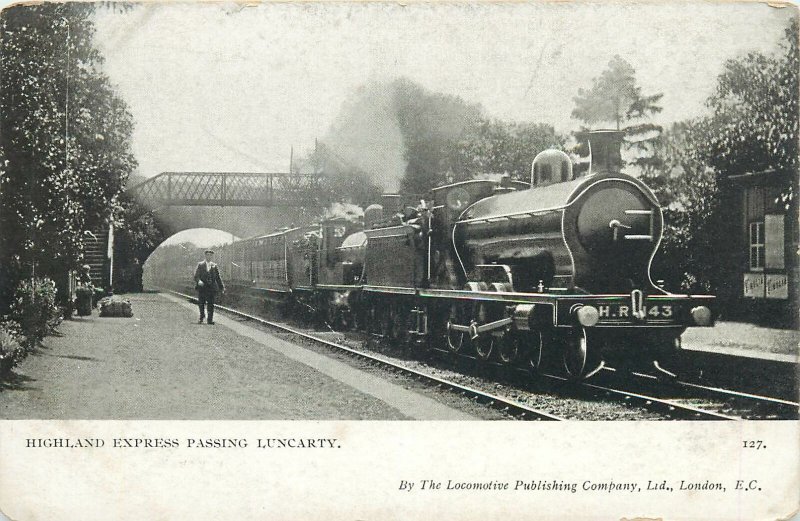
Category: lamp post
[66,101]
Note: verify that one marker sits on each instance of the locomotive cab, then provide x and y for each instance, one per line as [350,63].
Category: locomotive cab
[448,203]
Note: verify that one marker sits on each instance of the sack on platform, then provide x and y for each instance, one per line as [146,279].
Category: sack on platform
[115,307]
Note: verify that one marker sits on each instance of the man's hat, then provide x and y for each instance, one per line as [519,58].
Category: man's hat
[209,251]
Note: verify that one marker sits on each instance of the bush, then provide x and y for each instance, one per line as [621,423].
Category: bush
[11,351]
[34,308]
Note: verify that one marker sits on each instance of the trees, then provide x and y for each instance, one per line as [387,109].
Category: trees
[687,188]
[616,98]
[497,147]
[754,121]
[752,127]
[64,139]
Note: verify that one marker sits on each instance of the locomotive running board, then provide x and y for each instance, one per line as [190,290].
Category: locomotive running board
[391,289]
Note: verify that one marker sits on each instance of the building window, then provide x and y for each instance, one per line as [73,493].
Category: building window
[774,242]
[757,246]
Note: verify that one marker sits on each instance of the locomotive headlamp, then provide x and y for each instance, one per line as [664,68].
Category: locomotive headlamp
[588,316]
[701,316]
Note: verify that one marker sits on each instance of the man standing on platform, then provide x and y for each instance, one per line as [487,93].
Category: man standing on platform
[207,282]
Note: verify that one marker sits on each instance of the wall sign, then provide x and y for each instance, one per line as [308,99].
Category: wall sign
[777,286]
[754,285]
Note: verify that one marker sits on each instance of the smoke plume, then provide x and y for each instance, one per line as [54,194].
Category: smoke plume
[353,213]
[366,135]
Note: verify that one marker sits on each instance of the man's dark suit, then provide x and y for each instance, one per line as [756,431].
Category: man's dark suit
[207,291]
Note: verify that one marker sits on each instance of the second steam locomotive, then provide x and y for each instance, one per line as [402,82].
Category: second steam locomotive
[499,270]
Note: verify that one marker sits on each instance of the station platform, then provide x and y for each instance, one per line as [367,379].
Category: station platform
[162,364]
[745,340]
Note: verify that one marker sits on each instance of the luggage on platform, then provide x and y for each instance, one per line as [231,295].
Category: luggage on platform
[115,306]
[98,294]
[83,301]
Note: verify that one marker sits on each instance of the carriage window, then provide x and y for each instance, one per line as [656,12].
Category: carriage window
[757,246]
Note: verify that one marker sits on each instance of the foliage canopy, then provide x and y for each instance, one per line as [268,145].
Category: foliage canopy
[64,138]
[615,97]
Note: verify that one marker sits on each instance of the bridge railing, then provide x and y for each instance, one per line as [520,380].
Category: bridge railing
[230,189]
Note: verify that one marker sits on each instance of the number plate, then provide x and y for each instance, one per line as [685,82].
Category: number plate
[617,312]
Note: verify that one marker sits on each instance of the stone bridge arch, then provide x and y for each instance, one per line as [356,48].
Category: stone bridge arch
[240,221]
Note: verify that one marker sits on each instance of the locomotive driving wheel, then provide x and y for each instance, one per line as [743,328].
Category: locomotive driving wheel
[507,347]
[575,353]
[455,339]
[483,343]
[580,359]
[484,346]
[533,355]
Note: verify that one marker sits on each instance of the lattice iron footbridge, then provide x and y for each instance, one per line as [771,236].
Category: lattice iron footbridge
[231,189]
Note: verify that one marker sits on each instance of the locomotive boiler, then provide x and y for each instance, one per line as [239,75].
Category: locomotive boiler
[595,234]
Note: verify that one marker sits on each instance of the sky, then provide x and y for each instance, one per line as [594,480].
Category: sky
[229,87]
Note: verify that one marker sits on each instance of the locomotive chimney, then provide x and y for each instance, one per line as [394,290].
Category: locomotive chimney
[392,203]
[604,149]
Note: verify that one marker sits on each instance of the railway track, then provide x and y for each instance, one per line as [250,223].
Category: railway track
[505,405]
[695,401]
[736,403]
[672,408]
[667,407]
[681,400]
[673,399]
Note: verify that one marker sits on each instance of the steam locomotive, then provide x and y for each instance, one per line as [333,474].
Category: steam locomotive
[500,270]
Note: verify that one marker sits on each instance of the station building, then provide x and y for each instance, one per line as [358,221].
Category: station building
[765,249]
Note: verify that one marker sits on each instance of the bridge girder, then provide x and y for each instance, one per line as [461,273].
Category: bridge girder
[231,189]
